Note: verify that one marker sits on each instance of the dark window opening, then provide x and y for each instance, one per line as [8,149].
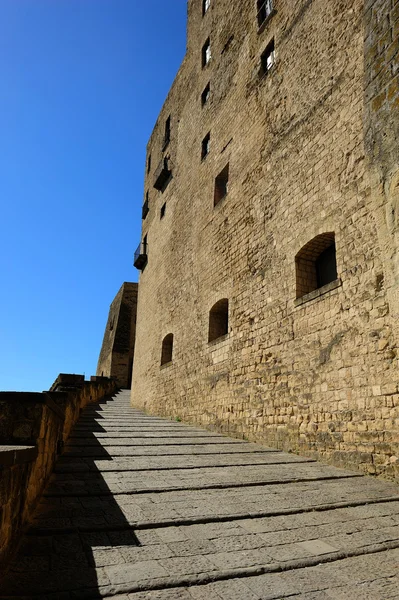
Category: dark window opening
[221,185]
[166,138]
[163,210]
[316,264]
[265,9]
[326,266]
[141,255]
[218,320]
[206,94]
[206,146]
[206,53]
[205,5]
[146,206]
[162,174]
[111,324]
[268,59]
[149,163]
[167,349]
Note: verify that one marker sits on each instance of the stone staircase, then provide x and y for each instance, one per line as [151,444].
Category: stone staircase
[145,508]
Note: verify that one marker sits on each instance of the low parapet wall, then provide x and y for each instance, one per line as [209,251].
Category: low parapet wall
[33,430]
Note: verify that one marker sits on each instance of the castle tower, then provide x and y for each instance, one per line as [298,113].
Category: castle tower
[268,302]
[117,351]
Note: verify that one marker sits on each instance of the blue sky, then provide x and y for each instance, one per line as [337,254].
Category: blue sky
[81,86]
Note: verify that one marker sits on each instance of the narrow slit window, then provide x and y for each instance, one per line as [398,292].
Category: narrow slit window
[149,163]
[221,185]
[268,59]
[218,320]
[166,138]
[205,5]
[163,210]
[206,94]
[167,349]
[206,146]
[265,9]
[146,206]
[206,53]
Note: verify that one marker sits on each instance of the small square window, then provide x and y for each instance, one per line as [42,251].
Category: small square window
[206,94]
[268,59]
[206,53]
[163,210]
[265,9]
[205,5]
[221,185]
[206,146]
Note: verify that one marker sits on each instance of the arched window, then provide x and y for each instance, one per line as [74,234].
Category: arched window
[167,349]
[316,264]
[218,320]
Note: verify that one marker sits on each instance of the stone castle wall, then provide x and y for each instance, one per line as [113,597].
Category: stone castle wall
[117,350]
[306,156]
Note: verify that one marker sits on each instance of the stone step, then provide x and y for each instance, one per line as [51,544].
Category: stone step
[171,512]
[193,506]
[76,465]
[130,482]
[102,451]
[203,555]
[168,441]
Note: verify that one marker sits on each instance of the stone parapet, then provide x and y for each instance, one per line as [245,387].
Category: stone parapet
[33,430]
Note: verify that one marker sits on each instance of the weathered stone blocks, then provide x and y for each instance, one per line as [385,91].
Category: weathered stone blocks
[312,149]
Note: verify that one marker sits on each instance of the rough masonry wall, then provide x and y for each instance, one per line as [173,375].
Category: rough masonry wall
[317,377]
[117,351]
[381,126]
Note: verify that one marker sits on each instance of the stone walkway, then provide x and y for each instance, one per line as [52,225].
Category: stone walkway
[144,508]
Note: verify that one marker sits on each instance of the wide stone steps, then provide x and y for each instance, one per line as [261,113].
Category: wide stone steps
[144,508]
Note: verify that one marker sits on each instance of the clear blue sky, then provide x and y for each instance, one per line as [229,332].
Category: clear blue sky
[81,86]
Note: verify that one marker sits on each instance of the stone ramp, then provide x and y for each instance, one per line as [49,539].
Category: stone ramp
[149,515]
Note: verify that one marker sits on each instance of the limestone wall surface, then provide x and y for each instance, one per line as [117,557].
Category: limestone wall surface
[317,373]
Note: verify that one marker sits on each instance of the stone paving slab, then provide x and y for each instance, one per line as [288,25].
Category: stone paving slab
[138,435]
[155,450]
[72,465]
[353,578]
[142,441]
[216,477]
[144,523]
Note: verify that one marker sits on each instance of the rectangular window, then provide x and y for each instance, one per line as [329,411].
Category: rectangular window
[149,163]
[206,53]
[221,185]
[146,206]
[268,59]
[205,95]
[166,138]
[265,9]
[206,146]
[205,5]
